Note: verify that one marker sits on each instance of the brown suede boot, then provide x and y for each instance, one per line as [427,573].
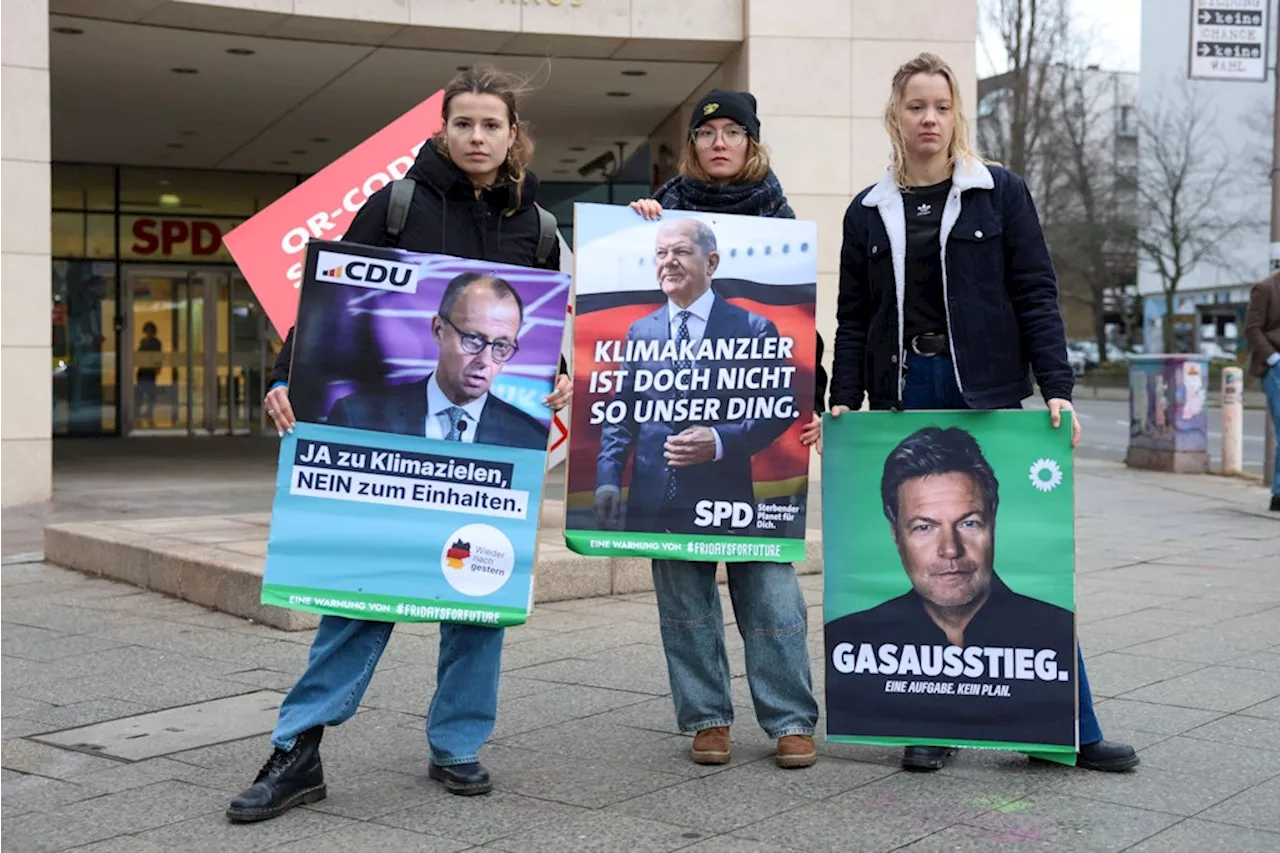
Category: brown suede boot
[711,746]
[796,751]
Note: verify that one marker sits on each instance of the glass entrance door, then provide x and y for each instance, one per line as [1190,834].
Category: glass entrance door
[196,352]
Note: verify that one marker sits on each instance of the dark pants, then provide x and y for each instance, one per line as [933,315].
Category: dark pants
[931,384]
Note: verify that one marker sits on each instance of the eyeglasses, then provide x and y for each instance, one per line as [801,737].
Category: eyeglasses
[733,136]
[475,344]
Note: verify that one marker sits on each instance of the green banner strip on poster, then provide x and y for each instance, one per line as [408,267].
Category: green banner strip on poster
[1047,752]
[389,608]
[678,546]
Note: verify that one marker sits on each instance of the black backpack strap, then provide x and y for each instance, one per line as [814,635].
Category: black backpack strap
[398,208]
[546,233]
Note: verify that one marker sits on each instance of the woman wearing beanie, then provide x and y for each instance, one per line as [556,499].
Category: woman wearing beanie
[948,300]
[724,169]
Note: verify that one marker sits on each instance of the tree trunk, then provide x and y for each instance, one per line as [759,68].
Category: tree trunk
[1100,326]
[1170,345]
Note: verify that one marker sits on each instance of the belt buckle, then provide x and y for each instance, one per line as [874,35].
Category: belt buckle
[915,348]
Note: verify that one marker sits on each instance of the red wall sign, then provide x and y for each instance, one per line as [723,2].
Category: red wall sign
[178,238]
[269,247]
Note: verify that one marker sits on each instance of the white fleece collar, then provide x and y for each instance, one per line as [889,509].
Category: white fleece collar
[967,175]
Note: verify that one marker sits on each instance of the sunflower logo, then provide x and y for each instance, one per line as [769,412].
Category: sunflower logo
[1046,475]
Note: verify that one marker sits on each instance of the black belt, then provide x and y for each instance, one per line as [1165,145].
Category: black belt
[930,344]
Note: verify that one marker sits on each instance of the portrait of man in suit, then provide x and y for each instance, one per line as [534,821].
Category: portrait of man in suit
[476,329]
[676,465]
[940,496]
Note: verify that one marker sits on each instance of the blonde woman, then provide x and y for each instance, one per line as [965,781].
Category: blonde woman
[948,299]
[725,169]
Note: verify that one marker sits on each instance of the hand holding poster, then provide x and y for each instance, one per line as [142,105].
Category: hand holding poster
[412,488]
[944,627]
[693,377]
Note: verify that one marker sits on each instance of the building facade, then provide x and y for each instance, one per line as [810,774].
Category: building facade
[138,132]
[1097,108]
[1209,304]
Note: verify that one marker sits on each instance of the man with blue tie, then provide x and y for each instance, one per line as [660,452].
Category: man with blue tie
[475,330]
[705,455]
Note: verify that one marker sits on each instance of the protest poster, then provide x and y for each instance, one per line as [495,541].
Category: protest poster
[694,353]
[269,247]
[412,486]
[943,626]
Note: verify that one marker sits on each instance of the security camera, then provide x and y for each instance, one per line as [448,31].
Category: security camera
[604,164]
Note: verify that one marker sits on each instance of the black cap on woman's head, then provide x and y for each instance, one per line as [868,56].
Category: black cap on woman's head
[723,103]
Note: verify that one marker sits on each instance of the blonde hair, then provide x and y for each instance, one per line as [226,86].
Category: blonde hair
[961,147]
[488,80]
[753,169]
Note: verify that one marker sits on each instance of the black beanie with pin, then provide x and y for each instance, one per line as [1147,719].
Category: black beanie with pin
[723,103]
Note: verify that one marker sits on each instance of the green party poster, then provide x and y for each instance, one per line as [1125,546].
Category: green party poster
[949,588]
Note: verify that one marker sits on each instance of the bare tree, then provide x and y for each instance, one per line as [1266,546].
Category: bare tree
[1090,209]
[1032,35]
[1184,185]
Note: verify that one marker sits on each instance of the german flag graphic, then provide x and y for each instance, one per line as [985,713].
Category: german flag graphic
[457,552]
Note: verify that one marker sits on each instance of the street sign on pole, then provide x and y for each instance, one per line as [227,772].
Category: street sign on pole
[1229,40]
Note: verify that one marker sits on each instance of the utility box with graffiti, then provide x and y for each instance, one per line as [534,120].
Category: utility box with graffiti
[1168,419]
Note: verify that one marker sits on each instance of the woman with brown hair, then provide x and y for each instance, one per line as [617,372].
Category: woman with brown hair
[948,300]
[474,198]
[724,168]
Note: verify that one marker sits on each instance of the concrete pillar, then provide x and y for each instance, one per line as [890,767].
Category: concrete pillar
[1232,420]
[26,387]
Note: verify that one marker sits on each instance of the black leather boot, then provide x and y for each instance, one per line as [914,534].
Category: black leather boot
[925,759]
[288,779]
[466,780]
[1107,756]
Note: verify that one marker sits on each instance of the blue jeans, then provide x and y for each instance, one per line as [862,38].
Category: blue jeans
[773,621]
[931,384]
[1271,384]
[343,656]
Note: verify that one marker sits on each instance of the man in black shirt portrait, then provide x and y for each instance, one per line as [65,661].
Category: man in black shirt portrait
[1000,665]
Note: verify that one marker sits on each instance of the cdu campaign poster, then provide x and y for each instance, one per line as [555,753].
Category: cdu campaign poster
[949,580]
[694,353]
[412,487]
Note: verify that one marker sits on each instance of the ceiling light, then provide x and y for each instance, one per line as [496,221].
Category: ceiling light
[569,160]
[174,145]
[577,148]
[298,151]
[634,72]
[240,51]
[618,94]
[170,200]
[185,70]
[320,139]
[69,31]
[464,67]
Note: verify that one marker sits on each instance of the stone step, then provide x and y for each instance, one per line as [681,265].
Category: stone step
[217,562]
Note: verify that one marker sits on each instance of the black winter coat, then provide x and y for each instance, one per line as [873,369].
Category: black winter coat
[446,217]
[1000,290]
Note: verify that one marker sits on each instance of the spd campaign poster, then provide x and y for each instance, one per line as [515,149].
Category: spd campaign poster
[412,486]
[949,580]
[694,352]
[269,248]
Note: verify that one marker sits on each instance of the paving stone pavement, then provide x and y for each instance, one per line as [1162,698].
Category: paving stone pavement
[1179,613]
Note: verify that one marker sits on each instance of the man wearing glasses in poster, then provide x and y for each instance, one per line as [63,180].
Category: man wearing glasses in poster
[475,329]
